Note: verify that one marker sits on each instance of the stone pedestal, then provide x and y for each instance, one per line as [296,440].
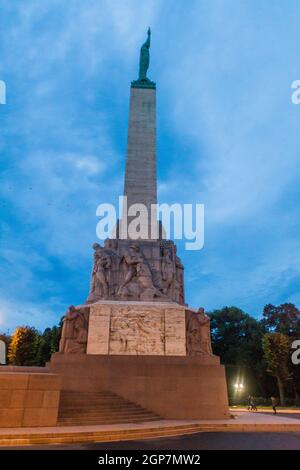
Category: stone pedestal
[173,387]
[28,398]
[137,328]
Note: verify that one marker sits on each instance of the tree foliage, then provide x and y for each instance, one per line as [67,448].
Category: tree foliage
[28,347]
[23,346]
[276,347]
[48,344]
[284,318]
[236,337]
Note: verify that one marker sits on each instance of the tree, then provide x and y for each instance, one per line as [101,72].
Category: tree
[236,337]
[285,319]
[48,344]
[23,346]
[276,347]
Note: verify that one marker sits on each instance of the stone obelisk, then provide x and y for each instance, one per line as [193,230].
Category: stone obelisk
[139,264]
[140,174]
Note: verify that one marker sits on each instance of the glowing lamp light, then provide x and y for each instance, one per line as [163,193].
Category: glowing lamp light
[239,386]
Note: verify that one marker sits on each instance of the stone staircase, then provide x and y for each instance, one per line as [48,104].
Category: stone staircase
[105,407]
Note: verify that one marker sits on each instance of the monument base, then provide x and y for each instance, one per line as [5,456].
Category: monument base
[153,354]
[174,387]
[29,396]
[136,328]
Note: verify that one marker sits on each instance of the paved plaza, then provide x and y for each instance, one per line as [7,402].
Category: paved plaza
[163,433]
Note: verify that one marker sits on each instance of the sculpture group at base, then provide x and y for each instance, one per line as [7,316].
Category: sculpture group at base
[127,328]
[137,270]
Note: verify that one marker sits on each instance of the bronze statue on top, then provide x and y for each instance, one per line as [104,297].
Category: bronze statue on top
[143,81]
[145,57]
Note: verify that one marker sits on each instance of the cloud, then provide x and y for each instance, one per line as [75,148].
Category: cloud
[89,164]
[59,155]
[231,107]
[18,313]
[227,137]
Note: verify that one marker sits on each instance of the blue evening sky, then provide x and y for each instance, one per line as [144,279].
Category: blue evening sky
[228,137]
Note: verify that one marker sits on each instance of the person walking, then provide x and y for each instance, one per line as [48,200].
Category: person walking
[249,402]
[274,404]
[253,404]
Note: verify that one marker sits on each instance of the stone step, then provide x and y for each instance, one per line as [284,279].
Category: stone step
[104,420]
[88,411]
[108,415]
[104,416]
[144,417]
[96,404]
[105,407]
[87,394]
[88,406]
[102,393]
[93,422]
[86,401]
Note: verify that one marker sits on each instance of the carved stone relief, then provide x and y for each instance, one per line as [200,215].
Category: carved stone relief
[139,270]
[74,331]
[137,332]
[198,338]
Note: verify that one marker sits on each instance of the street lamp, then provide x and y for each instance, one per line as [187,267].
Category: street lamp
[239,387]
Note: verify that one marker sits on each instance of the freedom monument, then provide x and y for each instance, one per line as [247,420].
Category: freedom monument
[134,350]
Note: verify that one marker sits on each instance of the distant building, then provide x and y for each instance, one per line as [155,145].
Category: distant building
[2,352]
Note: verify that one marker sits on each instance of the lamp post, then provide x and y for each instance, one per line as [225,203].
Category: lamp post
[239,387]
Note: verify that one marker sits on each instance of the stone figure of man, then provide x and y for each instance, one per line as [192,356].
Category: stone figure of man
[198,333]
[167,270]
[102,265]
[205,337]
[74,332]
